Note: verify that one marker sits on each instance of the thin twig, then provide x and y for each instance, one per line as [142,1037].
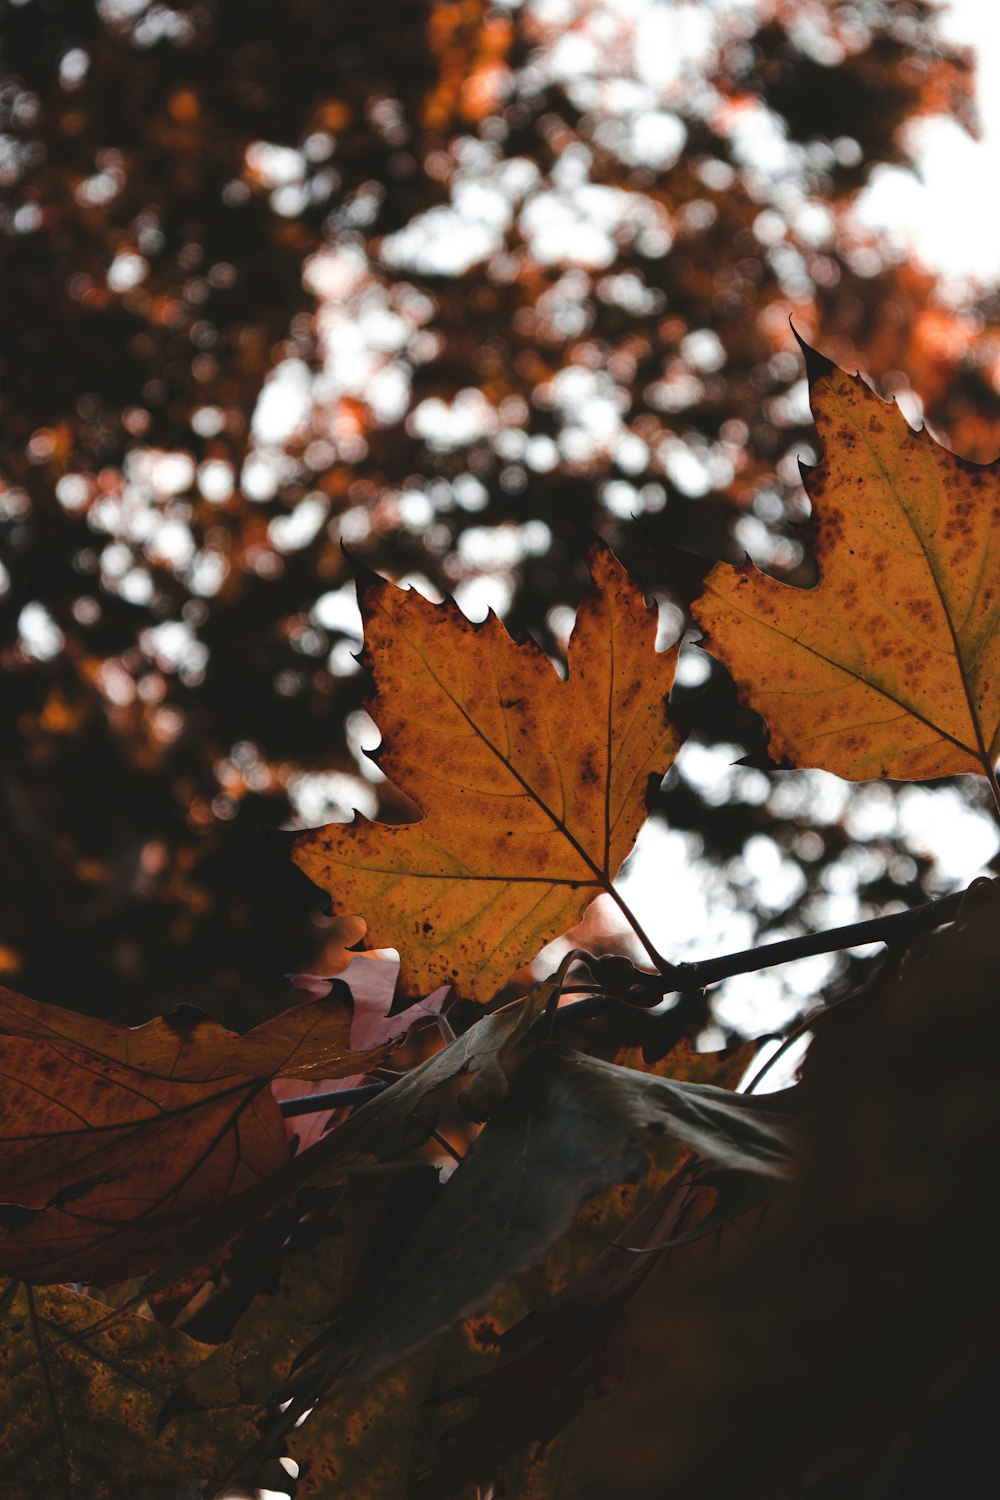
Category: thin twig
[311,1104]
[684,978]
[446,1145]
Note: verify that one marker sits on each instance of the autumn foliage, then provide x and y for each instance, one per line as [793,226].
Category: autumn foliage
[481,733]
[492,1204]
[890,665]
[180,238]
[630,1237]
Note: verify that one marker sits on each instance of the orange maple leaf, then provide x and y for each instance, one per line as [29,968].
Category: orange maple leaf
[531,789]
[890,665]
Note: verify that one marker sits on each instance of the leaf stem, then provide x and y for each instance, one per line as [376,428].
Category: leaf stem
[796,1034]
[658,961]
[802,1027]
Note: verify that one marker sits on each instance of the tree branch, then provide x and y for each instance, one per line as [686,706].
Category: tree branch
[648,990]
[888,929]
[311,1104]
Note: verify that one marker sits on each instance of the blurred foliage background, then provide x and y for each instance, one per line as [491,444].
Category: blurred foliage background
[433,280]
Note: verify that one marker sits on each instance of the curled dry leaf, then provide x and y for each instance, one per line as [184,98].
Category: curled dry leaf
[890,666]
[112,1135]
[531,789]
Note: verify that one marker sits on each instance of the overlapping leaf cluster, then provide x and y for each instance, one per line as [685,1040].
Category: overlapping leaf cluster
[618,1210]
[154,238]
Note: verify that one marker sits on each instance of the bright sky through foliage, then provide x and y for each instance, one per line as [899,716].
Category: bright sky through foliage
[944,217]
[938,217]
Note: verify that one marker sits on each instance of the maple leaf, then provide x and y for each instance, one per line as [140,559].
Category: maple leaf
[890,666]
[377,1437]
[550,1358]
[562,1345]
[113,1135]
[371,982]
[368,1449]
[531,789]
[314,1286]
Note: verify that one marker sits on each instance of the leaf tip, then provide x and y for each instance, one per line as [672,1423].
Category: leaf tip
[365,578]
[761,759]
[817,365]
[594,547]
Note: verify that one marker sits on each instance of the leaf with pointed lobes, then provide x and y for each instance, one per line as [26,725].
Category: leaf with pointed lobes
[113,1136]
[302,1293]
[531,789]
[79,1404]
[367,983]
[890,665]
[570,1126]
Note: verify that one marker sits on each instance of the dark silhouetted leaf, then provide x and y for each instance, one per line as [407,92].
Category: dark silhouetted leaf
[869,1299]
[571,1126]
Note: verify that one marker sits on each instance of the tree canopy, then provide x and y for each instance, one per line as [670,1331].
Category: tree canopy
[430,282]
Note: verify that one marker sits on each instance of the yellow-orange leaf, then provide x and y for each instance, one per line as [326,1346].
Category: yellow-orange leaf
[531,789]
[890,666]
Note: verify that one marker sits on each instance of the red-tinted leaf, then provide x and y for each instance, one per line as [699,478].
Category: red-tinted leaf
[112,1136]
